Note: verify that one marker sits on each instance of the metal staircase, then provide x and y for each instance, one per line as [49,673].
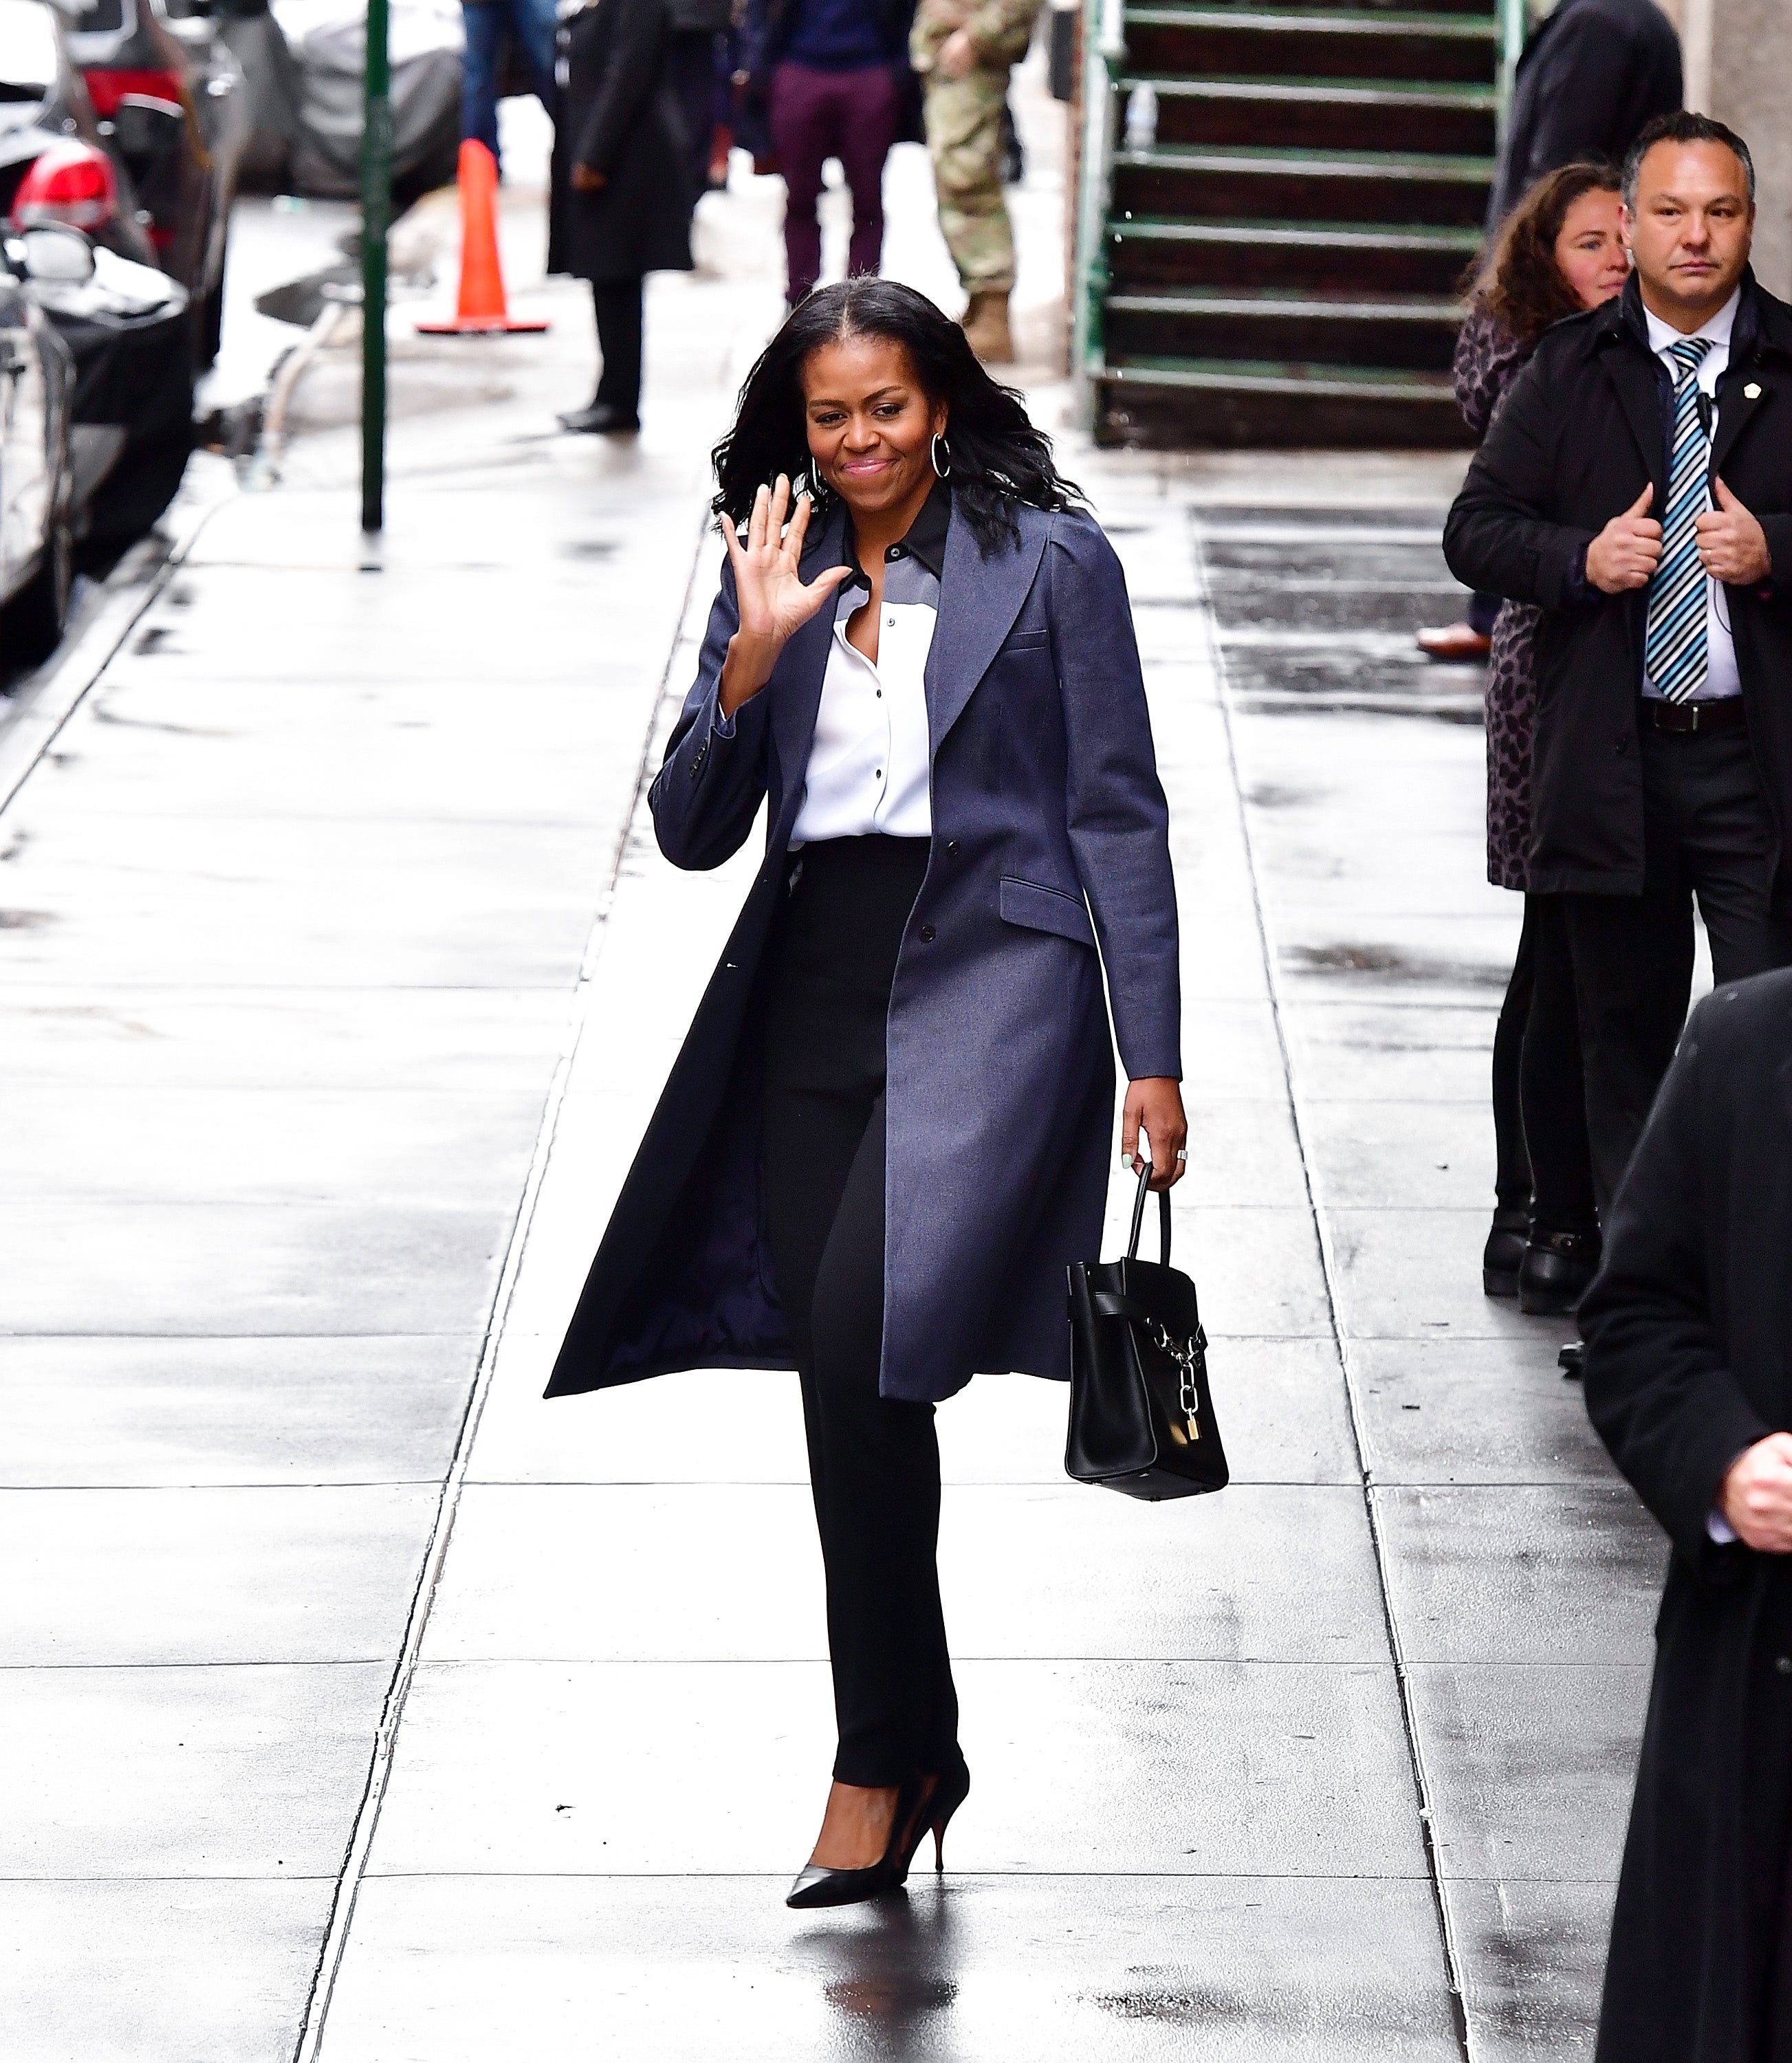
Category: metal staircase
[1276,207]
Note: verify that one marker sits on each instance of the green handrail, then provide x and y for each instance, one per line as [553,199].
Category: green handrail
[1103,53]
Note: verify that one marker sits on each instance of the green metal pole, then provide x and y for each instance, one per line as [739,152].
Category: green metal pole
[377,210]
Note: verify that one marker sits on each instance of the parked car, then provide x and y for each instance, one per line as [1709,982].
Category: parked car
[54,164]
[168,95]
[37,479]
[128,330]
[127,325]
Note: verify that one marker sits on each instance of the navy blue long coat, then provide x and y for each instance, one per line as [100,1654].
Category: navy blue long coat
[1050,834]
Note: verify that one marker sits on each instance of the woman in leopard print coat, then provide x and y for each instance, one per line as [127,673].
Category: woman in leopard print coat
[1558,253]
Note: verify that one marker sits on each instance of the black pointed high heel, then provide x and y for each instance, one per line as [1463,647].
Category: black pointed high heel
[817,1884]
[934,1815]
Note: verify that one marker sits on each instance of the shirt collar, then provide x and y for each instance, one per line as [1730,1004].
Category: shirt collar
[1718,330]
[926,539]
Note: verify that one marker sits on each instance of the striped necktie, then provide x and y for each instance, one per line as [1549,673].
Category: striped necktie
[1673,644]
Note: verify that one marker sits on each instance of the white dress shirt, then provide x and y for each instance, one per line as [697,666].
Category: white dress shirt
[869,765]
[1722,679]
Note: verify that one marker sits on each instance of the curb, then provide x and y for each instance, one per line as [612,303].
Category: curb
[39,720]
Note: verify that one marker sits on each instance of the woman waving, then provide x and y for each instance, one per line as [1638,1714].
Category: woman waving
[888,1129]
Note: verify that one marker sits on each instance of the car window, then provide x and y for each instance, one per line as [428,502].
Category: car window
[101,17]
[27,49]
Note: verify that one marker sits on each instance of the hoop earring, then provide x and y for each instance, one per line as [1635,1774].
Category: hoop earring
[935,447]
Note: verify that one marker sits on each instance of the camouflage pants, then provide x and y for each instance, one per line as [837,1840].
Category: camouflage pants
[964,139]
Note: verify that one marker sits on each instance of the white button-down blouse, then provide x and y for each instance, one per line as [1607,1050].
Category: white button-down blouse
[868,764]
[869,769]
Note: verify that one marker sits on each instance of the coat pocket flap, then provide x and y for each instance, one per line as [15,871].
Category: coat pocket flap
[1042,909]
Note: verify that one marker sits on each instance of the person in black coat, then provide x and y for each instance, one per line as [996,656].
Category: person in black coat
[1689,1382]
[623,187]
[1592,75]
[1640,800]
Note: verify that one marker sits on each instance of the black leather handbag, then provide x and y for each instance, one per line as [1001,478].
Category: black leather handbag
[1141,1417]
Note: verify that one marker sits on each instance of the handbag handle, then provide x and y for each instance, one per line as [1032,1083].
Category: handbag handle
[1139,1216]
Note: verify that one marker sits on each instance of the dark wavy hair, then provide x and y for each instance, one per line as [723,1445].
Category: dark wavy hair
[1519,284]
[998,460]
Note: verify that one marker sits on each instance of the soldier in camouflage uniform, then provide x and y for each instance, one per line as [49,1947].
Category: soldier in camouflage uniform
[963,50]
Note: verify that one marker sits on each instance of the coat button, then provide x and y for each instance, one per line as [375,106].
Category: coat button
[951,848]
[1784,1665]
[926,935]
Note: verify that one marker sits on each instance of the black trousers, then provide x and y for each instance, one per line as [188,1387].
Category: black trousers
[1708,832]
[617,302]
[1540,1116]
[874,1462]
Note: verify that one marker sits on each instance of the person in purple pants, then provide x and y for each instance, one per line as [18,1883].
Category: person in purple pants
[835,80]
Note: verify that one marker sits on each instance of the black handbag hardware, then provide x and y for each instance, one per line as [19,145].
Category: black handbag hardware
[1141,1418]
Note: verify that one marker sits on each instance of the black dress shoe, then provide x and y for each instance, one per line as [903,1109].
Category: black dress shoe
[1553,1276]
[817,1884]
[1572,1360]
[599,421]
[1503,1251]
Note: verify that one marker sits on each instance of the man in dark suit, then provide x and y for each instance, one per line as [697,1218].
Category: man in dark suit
[1689,1381]
[1637,485]
[1594,72]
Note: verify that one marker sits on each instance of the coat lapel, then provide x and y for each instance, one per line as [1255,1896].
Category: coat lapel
[1632,372]
[983,597]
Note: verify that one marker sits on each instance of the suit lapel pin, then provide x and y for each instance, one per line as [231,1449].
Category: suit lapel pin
[1752,391]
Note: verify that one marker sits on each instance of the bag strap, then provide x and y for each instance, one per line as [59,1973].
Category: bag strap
[1139,1216]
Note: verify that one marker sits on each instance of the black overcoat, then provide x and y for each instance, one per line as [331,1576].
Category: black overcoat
[1049,867]
[1689,1333]
[1583,429]
[619,113]
[1591,75]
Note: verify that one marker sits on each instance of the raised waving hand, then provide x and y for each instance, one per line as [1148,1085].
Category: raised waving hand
[773,599]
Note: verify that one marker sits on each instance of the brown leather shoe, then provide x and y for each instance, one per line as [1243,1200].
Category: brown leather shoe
[986,328]
[1455,641]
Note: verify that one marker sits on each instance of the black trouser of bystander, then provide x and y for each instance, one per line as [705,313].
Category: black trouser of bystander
[874,1462]
[618,306]
[1708,832]
[1539,1118]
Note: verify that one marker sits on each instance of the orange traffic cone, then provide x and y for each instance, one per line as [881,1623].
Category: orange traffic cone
[481,310]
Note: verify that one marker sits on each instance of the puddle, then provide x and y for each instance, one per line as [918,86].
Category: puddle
[1384,961]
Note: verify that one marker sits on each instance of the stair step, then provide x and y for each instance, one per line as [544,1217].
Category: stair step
[1349,236]
[1308,42]
[1416,308]
[1350,258]
[1400,333]
[1171,401]
[1355,186]
[1322,114]
[1341,20]
[1267,376]
[1479,10]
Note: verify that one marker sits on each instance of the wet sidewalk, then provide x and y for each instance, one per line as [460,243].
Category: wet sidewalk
[1333,1764]
[362,1705]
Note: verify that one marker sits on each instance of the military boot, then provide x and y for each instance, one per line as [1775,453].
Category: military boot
[985,327]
